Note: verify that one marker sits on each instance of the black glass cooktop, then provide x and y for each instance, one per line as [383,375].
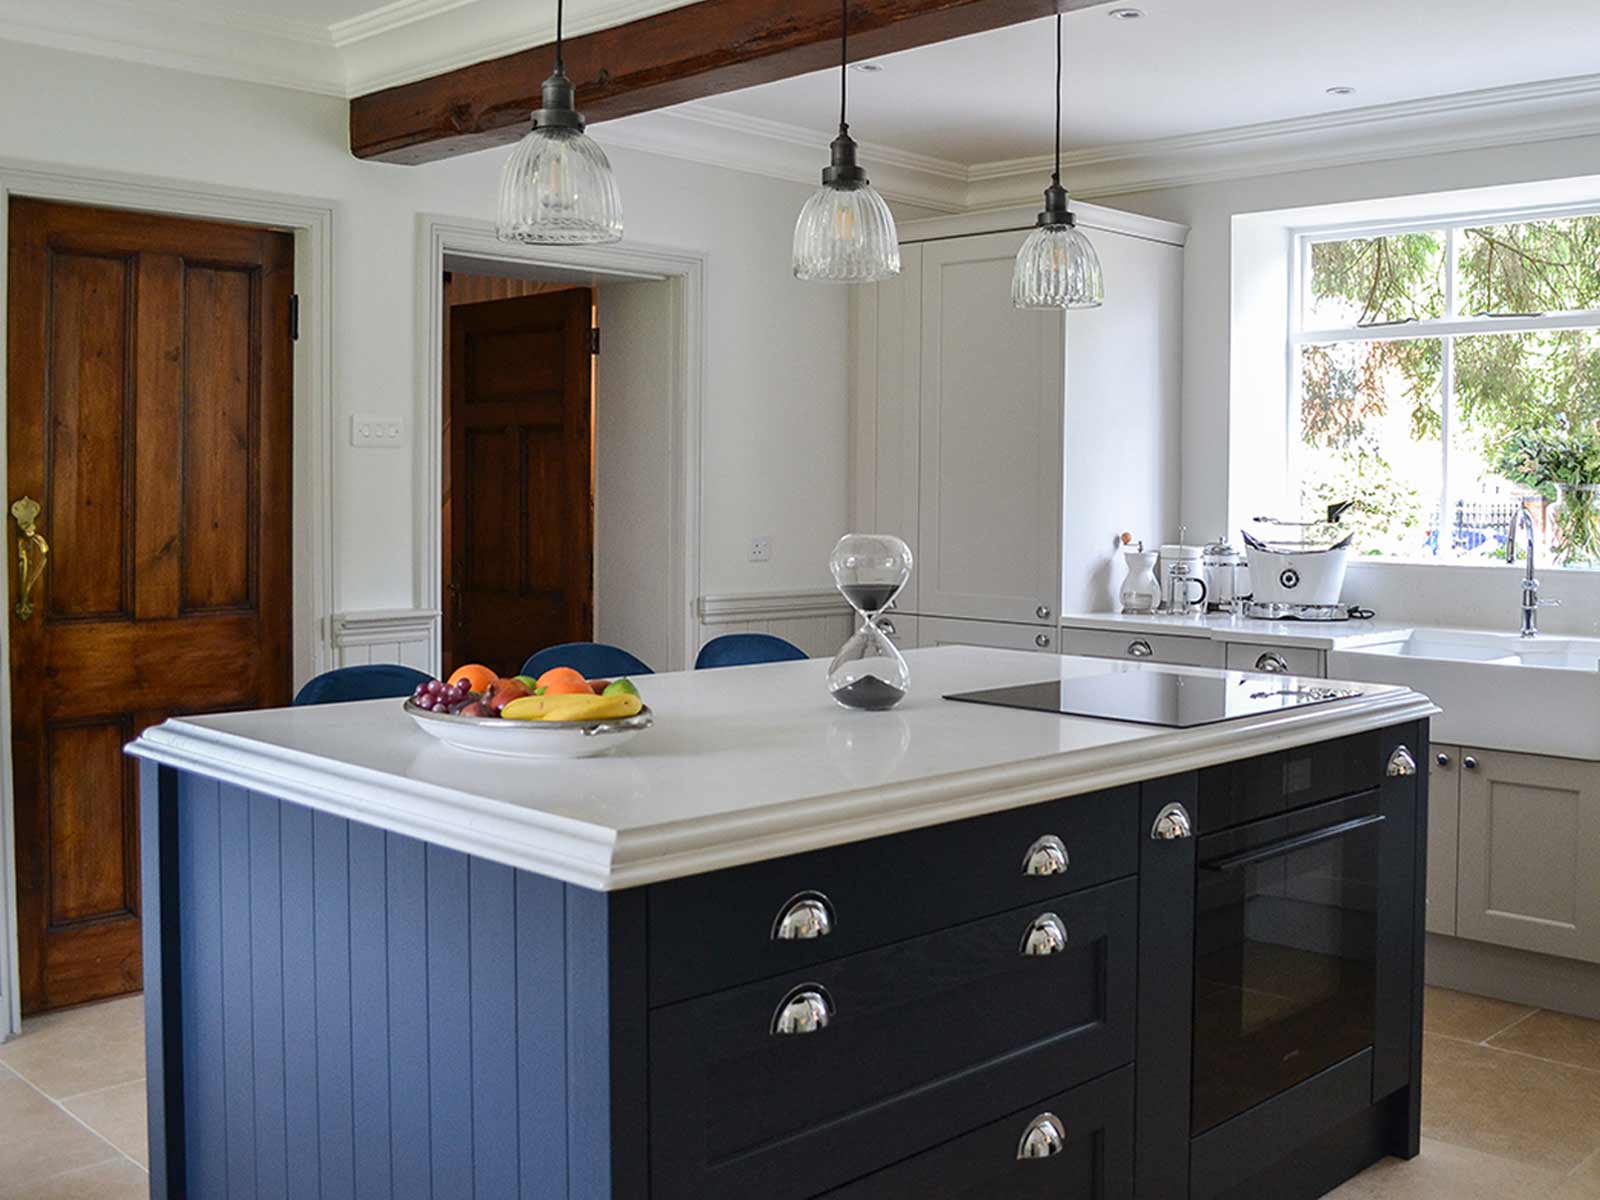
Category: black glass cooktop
[1152,696]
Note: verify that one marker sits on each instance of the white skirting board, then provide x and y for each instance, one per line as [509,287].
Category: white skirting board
[406,636]
[817,621]
[1517,976]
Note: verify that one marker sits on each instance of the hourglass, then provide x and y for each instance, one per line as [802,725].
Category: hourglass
[869,569]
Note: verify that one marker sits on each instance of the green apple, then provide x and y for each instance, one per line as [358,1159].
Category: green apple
[527,681]
[620,687]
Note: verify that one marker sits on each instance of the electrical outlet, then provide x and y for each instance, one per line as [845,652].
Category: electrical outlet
[761,548]
[369,430]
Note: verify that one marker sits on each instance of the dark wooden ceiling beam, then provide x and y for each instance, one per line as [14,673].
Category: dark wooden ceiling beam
[702,49]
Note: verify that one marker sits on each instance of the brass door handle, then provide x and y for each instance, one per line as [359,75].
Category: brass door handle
[30,566]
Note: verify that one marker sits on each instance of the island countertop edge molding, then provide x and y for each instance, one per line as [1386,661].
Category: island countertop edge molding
[601,858]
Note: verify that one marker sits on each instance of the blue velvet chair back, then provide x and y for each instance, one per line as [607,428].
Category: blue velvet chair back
[742,649]
[593,660]
[374,682]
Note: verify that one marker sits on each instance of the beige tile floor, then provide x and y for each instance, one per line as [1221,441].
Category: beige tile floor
[1510,1111]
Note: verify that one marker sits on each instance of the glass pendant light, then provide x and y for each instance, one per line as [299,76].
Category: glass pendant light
[845,233]
[557,187]
[1057,266]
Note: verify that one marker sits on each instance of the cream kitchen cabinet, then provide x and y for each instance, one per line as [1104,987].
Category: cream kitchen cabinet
[1277,660]
[1528,852]
[1138,646]
[1444,831]
[985,436]
[945,631]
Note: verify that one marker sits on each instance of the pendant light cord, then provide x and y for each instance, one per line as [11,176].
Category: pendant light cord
[560,68]
[844,59]
[1056,176]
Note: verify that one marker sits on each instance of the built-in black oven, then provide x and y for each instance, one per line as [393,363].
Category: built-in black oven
[1286,951]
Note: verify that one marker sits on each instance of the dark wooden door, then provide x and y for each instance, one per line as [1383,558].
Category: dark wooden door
[520,570]
[149,416]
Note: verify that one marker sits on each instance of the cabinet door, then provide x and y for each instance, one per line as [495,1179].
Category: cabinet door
[943,631]
[1123,407]
[1444,823]
[885,397]
[1530,853]
[993,381]
[904,631]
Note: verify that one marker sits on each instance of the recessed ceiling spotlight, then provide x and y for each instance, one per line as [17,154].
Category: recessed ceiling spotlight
[1125,14]
[871,68]
[1341,89]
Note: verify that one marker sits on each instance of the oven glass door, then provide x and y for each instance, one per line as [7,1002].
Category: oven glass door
[1285,952]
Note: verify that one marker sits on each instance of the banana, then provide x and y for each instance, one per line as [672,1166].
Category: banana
[571,708]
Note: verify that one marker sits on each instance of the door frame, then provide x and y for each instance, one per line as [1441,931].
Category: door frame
[456,239]
[311,221]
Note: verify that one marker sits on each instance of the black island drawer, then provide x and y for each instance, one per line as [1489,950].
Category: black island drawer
[1235,792]
[802,1083]
[1079,1146]
[710,932]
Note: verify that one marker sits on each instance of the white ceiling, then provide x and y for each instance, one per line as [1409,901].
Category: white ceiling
[1188,66]
[1197,89]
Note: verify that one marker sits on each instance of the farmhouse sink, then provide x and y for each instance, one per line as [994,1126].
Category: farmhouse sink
[1539,695]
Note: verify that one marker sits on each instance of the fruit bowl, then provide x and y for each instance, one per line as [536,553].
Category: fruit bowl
[530,739]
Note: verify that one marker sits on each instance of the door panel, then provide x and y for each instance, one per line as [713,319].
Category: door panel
[520,569]
[1444,823]
[149,414]
[992,390]
[1530,853]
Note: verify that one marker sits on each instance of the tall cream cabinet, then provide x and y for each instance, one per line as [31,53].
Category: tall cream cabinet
[1009,448]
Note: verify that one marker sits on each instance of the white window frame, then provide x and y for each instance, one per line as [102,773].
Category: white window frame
[1446,329]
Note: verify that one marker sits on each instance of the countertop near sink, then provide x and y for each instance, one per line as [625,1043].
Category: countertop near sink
[1221,627]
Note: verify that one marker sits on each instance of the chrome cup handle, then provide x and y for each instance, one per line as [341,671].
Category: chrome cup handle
[1046,935]
[1045,1137]
[804,917]
[805,1010]
[1172,824]
[1047,856]
[1401,763]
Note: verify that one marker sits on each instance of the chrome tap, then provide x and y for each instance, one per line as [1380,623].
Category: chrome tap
[1531,604]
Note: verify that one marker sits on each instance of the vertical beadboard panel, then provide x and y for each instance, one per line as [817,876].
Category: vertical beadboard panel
[449,1023]
[331,914]
[302,1091]
[200,935]
[411,1147]
[266,998]
[493,1021]
[415,655]
[542,1054]
[369,1010]
[366,1017]
[238,1049]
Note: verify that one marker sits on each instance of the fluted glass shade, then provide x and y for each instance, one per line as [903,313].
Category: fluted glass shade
[1057,267]
[557,189]
[845,234]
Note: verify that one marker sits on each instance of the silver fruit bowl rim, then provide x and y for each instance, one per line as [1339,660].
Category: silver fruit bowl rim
[642,719]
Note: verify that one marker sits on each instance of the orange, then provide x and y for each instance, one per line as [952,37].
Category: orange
[564,686]
[479,678]
[558,673]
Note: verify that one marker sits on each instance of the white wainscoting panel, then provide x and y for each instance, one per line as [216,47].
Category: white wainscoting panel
[816,621]
[404,635]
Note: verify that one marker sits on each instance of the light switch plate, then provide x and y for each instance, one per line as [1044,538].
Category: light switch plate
[367,429]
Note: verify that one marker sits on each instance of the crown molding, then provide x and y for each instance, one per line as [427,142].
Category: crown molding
[184,37]
[1521,113]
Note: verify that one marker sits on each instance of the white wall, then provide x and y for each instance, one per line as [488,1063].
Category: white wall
[774,404]
[1217,365]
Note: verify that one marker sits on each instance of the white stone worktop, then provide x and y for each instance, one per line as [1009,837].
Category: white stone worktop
[1223,627]
[743,764]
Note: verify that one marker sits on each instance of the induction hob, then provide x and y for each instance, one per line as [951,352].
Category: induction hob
[1153,696]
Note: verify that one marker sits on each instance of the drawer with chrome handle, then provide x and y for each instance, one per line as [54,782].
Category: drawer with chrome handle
[1075,1145]
[719,930]
[1189,650]
[889,1051]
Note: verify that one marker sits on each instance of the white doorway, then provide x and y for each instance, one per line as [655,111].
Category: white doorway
[646,425]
